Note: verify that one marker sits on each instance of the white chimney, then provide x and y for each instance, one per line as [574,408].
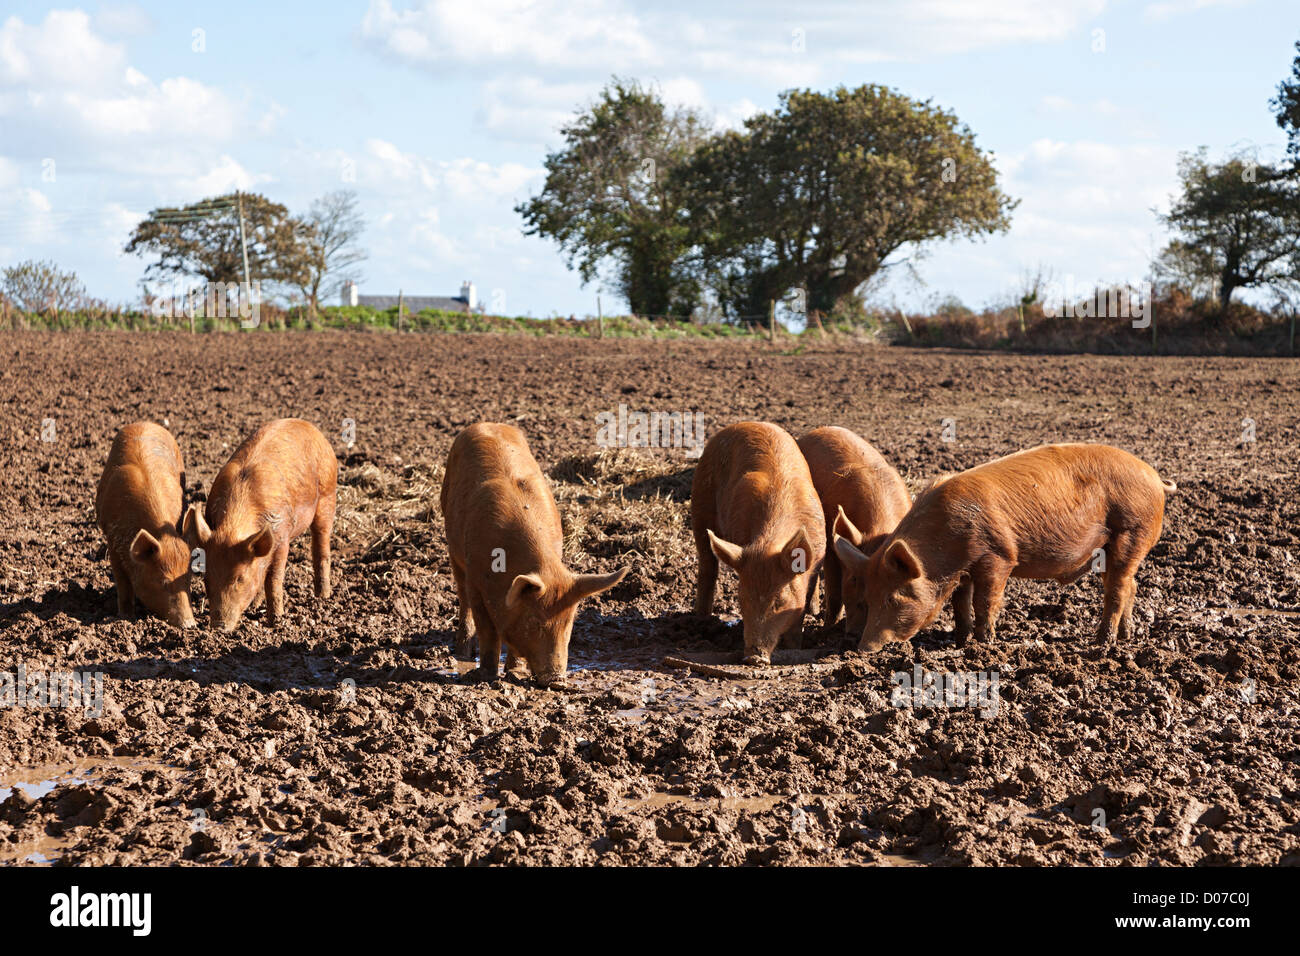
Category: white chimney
[349,293]
[467,293]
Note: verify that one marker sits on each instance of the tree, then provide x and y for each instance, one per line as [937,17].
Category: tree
[1237,222]
[1183,266]
[38,286]
[333,227]
[202,240]
[604,202]
[823,191]
[1286,107]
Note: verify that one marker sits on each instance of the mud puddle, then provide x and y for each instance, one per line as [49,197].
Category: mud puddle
[35,783]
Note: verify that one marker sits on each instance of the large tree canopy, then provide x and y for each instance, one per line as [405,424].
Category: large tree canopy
[202,240]
[1236,222]
[823,191]
[604,202]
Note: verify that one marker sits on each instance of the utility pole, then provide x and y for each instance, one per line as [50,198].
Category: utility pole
[600,320]
[771,320]
[182,216]
[243,246]
[243,242]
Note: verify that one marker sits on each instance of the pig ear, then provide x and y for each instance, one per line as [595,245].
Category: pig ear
[194,529]
[262,543]
[843,526]
[848,552]
[901,557]
[144,545]
[798,542]
[524,584]
[726,552]
[585,585]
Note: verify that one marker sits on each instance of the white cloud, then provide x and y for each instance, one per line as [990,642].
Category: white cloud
[767,37]
[548,33]
[1085,211]
[223,176]
[530,110]
[475,181]
[578,44]
[63,84]
[59,53]
[432,219]
[385,163]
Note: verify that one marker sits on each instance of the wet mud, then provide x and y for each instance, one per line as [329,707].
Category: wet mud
[349,735]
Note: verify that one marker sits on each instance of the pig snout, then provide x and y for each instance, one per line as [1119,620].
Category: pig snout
[223,617]
[180,614]
[872,642]
[878,632]
[764,635]
[550,670]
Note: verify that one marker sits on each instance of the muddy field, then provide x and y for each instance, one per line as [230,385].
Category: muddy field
[349,736]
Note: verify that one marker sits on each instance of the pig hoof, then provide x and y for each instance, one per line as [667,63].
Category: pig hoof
[756,660]
[466,650]
[479,676]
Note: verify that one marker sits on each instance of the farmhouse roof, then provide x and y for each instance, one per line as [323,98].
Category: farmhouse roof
[414,303]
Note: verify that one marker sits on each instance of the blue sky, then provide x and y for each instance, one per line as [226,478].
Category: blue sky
[439,115]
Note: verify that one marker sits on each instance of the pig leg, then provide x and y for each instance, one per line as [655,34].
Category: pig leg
[834,587]
[275,584]
[1123,555]
[489,645]
[125,593]
[321,526]
[516,667]
[466,648]
[988,582]
[707,583]
[963,610]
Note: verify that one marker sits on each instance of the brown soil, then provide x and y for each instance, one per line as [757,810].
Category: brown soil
[1180,747]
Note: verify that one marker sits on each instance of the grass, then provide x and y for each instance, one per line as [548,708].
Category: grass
[1180,325]
[362,318]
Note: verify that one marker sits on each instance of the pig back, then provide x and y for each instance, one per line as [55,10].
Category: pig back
[277,477]
[848,472]
[1049,507]
[494,495]
[752,479]
[142,484]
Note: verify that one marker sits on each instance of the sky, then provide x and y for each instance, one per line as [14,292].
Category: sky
[440,114]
